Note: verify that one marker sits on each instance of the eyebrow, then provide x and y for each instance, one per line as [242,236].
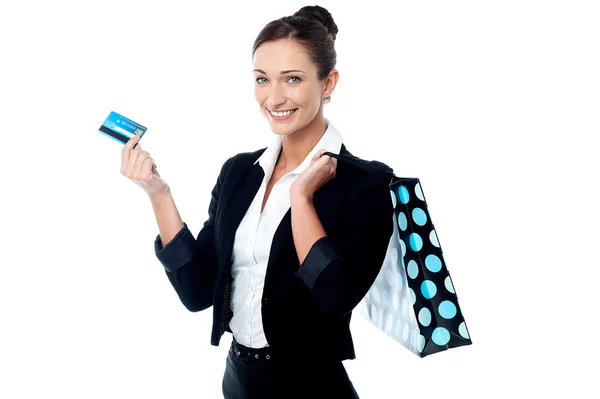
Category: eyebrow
[281,73]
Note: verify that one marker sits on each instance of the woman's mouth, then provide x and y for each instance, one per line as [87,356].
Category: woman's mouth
[281,116]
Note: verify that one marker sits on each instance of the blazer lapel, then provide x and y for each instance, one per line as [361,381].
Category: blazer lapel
[241,196]
[282,234]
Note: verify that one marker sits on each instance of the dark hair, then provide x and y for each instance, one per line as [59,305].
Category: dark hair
[313,27]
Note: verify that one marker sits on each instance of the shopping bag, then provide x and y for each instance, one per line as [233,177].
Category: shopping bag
[413,299]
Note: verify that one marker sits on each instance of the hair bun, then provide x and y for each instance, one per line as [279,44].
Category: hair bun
[320,14]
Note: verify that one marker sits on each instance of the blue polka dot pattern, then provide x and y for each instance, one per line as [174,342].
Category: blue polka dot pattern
[416,242]
[402,221]
[440,336]
[395,302]
[419,216]
[462,330]
[403,194]
[425,317]
[448,285]
[397,328]
[433,263]
[400,278]
[412,269]
[428,289]
[389,323]
[447,310]
[421,343]
[413,299]
[433,238]
[379,278]
[389,277]
[386,298]
[375,292]
[394,256]
[418,192]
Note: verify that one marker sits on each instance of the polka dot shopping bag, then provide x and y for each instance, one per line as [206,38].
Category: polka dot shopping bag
[412,299]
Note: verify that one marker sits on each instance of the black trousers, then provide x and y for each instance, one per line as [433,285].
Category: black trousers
[245,378]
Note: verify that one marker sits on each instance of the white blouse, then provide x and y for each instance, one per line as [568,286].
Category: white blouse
[253,238]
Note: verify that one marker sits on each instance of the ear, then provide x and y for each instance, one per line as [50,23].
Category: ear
[330,83]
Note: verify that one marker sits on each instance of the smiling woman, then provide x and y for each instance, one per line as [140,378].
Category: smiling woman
[292,242]
[294,59]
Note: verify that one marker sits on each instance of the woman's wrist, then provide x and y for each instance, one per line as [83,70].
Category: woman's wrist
[160,198]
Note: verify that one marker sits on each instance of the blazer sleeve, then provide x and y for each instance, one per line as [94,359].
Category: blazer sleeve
[340,268]
[191,263]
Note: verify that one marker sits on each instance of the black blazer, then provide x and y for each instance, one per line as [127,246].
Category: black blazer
[306,308]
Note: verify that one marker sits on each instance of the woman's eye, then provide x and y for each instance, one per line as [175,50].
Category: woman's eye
[291,77]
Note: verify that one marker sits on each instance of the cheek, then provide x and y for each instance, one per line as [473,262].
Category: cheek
[307,96]
[259,94]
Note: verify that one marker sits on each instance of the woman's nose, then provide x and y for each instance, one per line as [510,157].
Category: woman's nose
[276,97]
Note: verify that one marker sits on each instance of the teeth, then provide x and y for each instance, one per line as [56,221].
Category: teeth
[286,113]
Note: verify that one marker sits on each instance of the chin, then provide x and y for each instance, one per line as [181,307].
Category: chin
[281,130]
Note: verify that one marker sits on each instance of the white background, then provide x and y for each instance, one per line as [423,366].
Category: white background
[493,105]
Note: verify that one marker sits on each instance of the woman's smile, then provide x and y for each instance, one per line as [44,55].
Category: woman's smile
[282,115]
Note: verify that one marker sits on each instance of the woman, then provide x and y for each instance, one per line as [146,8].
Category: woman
[293,240]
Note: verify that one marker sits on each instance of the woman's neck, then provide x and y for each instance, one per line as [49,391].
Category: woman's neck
[296,146]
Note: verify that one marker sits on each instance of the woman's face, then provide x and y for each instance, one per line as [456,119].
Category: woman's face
[278,89]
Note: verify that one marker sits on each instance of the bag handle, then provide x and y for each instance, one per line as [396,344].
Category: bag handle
[377,168]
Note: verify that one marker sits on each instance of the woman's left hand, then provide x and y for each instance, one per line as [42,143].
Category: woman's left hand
[320,171]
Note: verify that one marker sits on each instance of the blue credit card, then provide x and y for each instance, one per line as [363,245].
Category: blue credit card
[120,128]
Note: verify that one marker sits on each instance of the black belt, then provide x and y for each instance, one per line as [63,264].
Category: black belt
[242,352]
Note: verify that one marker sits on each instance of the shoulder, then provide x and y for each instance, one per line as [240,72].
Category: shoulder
[241,160]
[367,184]
[247,158]
[361,174]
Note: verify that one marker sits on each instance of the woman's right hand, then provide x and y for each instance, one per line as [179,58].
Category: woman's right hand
[138,166]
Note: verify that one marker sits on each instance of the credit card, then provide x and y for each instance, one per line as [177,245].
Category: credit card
[120,128]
